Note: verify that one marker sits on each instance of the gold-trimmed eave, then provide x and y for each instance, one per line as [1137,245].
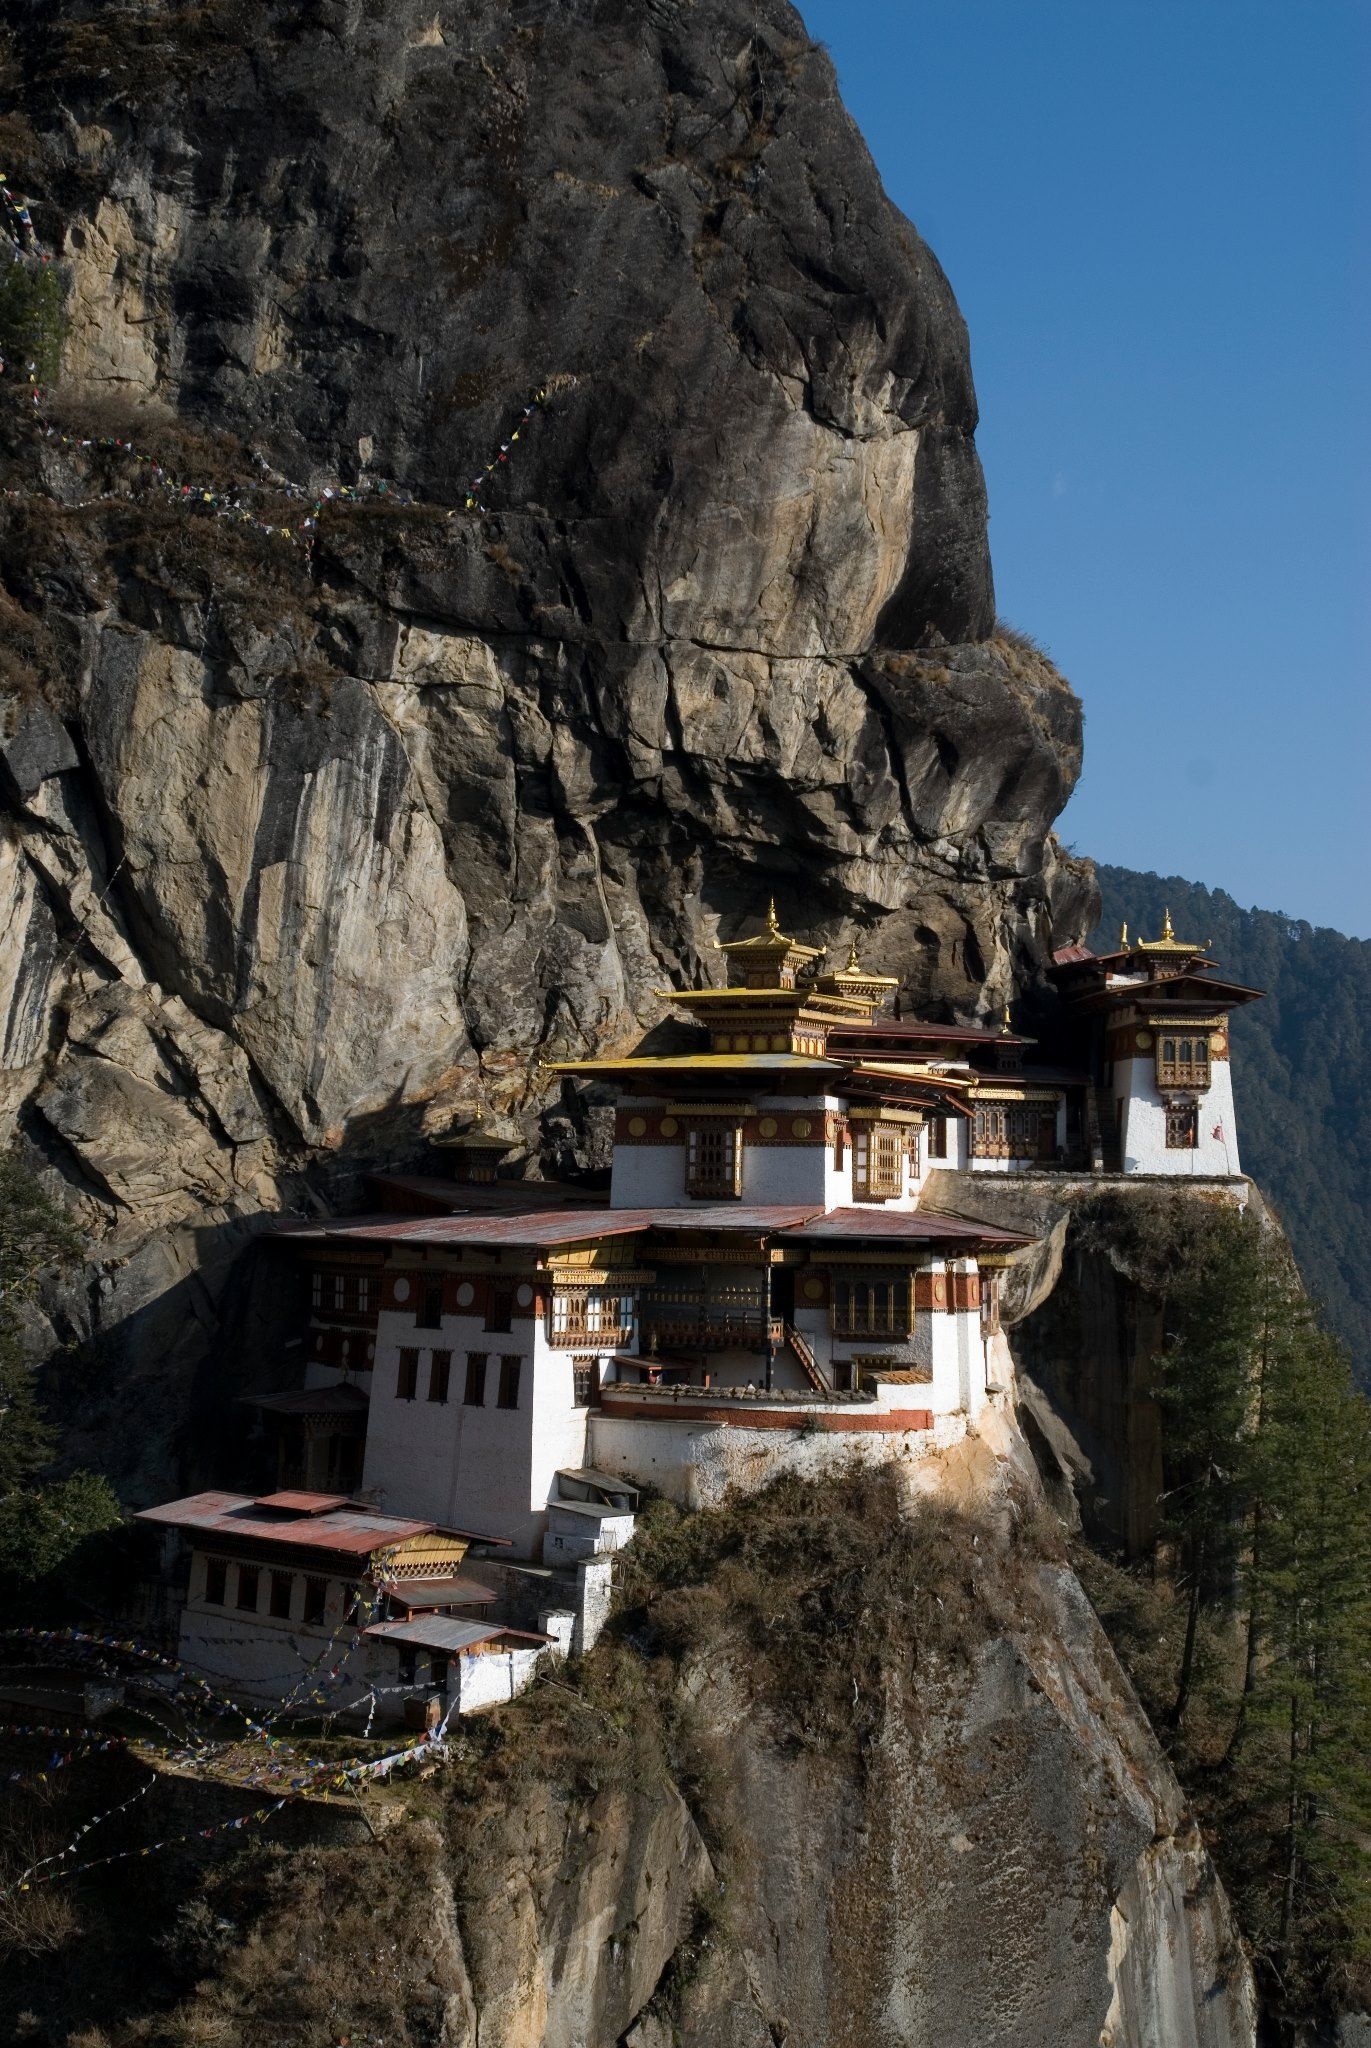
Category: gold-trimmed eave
[664,1065]
[998,1092]
[818,1000]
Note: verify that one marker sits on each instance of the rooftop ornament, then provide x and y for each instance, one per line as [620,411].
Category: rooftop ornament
[1168,942]
[769,960]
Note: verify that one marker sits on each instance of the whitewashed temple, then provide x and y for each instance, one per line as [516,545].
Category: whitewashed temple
[500,1365]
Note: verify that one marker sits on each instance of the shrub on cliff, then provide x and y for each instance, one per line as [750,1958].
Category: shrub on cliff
[42,1521]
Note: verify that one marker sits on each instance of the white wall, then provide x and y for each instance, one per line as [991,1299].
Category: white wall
[259,1656]
[697,1463]
[1143,1123]
[485,1468]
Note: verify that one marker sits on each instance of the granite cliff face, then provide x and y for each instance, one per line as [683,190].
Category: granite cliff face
[847,1771]
[303,847]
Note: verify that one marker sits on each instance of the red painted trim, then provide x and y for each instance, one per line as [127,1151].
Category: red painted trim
[893,1422]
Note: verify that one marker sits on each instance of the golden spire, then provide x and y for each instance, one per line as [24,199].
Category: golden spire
[772,922]
[1005,1024]
[1167,932]
[854,965]
[1123,936]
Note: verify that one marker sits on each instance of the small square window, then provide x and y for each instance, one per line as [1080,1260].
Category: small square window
[475,1394]
[216,1581]
[407,1377]
[1182,1126]
[281,1584]
[316,1601]
[432,1311]
[439,1374]
[510,1373]
[248,1577]
[585,1381]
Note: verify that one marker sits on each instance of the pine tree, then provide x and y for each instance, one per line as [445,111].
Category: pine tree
[1306,1751]
[40,1523]
[1204,1382]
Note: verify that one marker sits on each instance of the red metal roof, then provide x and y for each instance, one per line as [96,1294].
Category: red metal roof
[296,1502]
[545,1228]
[850,1036]
[916,1226]
[419,1594]
[351,1531]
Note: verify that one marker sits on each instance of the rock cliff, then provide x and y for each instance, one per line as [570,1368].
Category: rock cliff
[836,1778]
[305,845]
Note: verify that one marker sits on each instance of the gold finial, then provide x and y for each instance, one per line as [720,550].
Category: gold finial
[1005,1024]
[772,921]
[854,965]
[1167,932]
[1123,935]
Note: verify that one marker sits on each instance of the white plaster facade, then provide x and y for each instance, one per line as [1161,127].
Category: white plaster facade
[1141,1113]
[481,1467]
[696,1464]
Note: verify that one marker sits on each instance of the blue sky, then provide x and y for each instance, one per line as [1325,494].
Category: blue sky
[1157,221]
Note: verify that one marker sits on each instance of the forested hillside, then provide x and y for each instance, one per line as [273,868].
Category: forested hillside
[1302,1074]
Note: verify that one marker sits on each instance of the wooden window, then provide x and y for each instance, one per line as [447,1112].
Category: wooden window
[878,1160]
[585,1380]
[316,1601]
[937,1137]
[475,1393]
[216,1581]
[510,1373]
[500,1308]
[438,1663]
[408,1663]
[407,1377]
[1182,1126]
[279,1601]
[248,1576]
[338,1288]
[871,1305]
[431,1313]
[1183,1060]
[362,1295]
[714,1158]
[316,1289]
[439,1374]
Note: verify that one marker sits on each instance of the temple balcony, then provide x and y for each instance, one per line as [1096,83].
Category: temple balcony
[602,1337]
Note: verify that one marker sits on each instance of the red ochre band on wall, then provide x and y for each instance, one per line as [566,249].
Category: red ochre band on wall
[626,1406]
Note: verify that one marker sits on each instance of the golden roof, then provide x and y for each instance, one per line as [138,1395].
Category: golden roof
[1168,942]
[855,982]
[772,940]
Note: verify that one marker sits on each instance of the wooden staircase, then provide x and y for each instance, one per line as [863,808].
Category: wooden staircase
[801,1349]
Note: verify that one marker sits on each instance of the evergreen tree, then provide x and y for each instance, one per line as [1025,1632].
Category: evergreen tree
[1305,1755]
[41,1523]
[1204,1382]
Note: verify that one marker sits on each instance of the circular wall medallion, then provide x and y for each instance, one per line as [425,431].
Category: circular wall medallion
[1218,1044]
[669,1127]
[636,1126]
[767,1127]
[814,1290]
[1143,1041]
[801,1127]
[402,1290]
[523,1295]
[940,1290]
[466,1294]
